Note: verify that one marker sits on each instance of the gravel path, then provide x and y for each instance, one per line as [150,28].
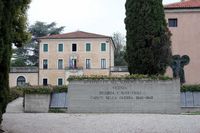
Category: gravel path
[99,123]
[15,106]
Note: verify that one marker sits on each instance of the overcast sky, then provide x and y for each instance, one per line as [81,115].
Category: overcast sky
[97,16]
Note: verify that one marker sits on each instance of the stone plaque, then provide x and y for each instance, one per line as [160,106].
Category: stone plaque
[189,99]
[196,96]
[124,96]
[183,99]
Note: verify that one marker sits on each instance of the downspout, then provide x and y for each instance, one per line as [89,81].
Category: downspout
[39,62]
[110,58]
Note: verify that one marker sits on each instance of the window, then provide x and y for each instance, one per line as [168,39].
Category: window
[74,47]
[103,46]
[45,64]
[45,82]
[103,63]
[45,47]
[72,64]
[88,47]
[21,81]
[88,63]
[60,81]
[172,22]
[60,64]
[60,47]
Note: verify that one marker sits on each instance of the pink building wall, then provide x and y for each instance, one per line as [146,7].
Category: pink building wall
[186,40]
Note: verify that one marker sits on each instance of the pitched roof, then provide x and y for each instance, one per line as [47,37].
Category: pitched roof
[184,5]
[76,34]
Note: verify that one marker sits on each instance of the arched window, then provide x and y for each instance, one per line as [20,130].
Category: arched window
[21,81]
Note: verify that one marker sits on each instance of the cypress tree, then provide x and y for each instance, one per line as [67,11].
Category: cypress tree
[13,30]
[148,48]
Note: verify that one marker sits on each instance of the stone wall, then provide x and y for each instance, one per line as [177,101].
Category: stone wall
[124,96]
[31,78]
[37,103]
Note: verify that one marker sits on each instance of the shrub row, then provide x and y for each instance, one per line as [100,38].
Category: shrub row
[38,90]
[45,89]
[15,93]
[134,76]
[190,88]
[20,91]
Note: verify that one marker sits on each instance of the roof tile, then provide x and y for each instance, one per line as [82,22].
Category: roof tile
[184,4]
[76,34]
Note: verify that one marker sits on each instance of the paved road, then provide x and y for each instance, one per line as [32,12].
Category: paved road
[99,123]
[15,106]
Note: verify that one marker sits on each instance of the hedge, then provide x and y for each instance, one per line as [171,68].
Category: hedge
[60,89]
[190,88]
[134,76]
[41,89]
[15,93]
[38,90]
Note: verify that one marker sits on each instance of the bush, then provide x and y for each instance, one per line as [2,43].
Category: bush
[60,89]
[15,93]
[55,110]
[190,88]
[38,90]
[133,76]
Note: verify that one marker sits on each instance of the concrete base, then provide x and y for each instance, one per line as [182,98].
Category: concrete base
[124,96]
[190,109]
[37,103]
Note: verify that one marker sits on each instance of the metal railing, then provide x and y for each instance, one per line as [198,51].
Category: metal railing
[73,68]
[24,69]
[119,69]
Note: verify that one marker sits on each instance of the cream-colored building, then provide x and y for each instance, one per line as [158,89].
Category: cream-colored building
[183,20]
[82,53]
[20,76]
[75,53]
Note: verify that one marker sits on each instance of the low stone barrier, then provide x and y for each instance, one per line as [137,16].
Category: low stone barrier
[37,103]
[124,96]
[59,100]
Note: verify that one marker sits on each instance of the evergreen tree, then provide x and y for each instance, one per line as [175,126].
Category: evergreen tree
[29,53]
[13,29]
[148,48]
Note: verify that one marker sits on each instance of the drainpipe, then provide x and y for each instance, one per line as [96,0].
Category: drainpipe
[110,58]
[39,62]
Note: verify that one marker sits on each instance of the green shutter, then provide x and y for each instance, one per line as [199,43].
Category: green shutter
[45,47]
[88,47]
[60,47]
[103,47]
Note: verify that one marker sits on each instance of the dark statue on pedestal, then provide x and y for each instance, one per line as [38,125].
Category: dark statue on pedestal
[177,66]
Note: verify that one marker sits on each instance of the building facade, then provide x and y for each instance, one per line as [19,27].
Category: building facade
[21,76]
[75,53]
[183,20]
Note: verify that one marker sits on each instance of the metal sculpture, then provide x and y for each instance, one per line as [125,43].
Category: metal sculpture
[177,66]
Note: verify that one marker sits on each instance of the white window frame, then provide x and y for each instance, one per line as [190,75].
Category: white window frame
[105,63]
[47,48]
[58,47]
[107,47]
[76,47]
[62,63]
[43,80]
[90,47]
[43,64]
[58,81]
[86,63]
